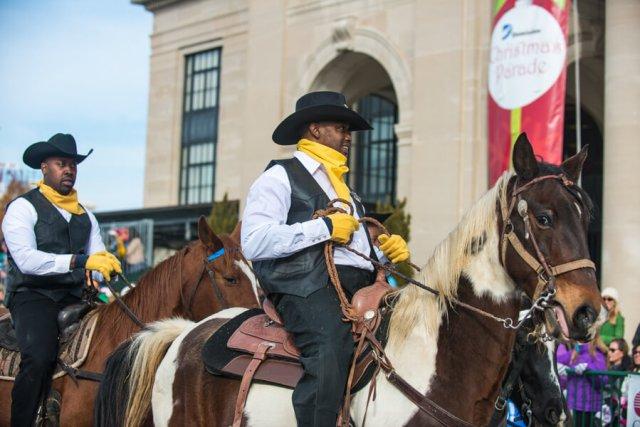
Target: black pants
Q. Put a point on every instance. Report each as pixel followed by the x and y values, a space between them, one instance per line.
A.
pixel 35 321
pixel 325 344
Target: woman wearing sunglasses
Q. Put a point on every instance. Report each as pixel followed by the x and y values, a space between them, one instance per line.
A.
pixel 614 326
pixel 618 356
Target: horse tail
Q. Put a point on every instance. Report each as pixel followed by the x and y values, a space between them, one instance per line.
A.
pixel 148 348
pixel 110 403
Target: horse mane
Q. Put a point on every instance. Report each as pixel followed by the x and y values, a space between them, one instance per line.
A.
pixel 154 288
pixel 444 268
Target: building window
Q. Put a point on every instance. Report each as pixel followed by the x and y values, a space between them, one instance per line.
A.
pixel 373 162
pixel 200 127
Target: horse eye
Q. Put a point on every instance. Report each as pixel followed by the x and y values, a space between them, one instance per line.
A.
pixel 231 280
pixel 544 220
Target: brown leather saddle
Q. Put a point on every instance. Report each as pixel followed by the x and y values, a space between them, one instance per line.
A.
pixel 259 348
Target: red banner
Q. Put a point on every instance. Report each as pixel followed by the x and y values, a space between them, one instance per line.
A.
pixel 527 79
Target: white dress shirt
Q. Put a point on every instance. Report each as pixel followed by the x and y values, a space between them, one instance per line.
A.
pixel 18 229
pixel 265 233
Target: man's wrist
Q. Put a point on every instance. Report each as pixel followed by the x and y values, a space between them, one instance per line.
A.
pixel 329 224
pixel 78 261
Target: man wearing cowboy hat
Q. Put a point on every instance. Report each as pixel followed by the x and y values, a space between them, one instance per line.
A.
pixel 286 245
pixel 51 239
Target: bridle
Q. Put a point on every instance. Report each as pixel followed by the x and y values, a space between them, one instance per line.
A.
pixel 514 379
pixel 211 271
pixel 186 303
pixel 543 294
pixel 546 286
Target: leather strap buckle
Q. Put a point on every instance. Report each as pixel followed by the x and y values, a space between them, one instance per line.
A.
pixel 543 275
pixel 500 403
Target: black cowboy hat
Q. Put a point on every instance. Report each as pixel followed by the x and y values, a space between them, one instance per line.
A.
pixel 317 107
pixel 59 145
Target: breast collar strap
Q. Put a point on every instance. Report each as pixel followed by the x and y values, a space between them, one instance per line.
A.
pixel 538 263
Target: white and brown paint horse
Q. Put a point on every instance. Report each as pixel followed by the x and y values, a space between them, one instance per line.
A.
pixel 185 284
pixel 455 357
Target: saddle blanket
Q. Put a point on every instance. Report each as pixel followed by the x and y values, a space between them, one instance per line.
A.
pixel 72 352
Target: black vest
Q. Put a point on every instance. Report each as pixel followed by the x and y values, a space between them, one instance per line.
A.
pixel 305 271
pixel 57 236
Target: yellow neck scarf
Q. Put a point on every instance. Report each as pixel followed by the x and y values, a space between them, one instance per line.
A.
pixel 333 161
pixel 69 202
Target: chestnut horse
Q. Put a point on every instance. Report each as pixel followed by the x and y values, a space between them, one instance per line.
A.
pixel 451 355
pixel 186 285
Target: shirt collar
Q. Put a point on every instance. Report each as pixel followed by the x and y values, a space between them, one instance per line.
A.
pixel 309 163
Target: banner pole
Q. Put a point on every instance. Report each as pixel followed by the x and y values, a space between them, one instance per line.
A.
pixel 576 62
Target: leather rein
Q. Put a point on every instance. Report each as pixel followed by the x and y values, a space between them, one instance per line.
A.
pixel 185 302
pixel 76 374
pixel 512 379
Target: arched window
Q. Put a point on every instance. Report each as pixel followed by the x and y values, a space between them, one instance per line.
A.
pixel 374 160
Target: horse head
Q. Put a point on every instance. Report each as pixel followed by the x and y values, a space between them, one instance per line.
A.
pixel 217 274
pixel 539 389
pixel 545 216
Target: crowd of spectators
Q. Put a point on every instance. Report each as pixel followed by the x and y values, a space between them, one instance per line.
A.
pixel 596 397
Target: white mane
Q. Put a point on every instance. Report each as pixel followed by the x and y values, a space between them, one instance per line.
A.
pixel 474 239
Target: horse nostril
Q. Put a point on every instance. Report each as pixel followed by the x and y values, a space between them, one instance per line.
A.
pixel 585 317
pixel 552 416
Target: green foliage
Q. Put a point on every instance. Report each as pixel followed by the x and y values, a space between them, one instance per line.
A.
pixel 399 222
pixel 224 215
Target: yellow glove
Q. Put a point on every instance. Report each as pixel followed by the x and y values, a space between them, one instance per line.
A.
pixel 343 226
pixel 105 263
pixel 394 247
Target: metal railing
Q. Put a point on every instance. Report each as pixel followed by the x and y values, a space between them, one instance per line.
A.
pixel 594 398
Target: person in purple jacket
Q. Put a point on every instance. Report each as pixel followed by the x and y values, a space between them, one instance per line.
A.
pixel 584 393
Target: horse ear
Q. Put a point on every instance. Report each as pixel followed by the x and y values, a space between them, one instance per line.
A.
pixel 572 167
pixel 236 233
pixel 207 236
pixel 524 161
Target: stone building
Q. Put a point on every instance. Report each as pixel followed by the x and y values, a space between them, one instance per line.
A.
pixel 224 73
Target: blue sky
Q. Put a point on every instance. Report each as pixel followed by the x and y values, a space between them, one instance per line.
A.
pixel 79 67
